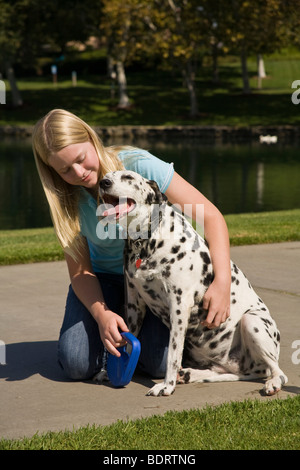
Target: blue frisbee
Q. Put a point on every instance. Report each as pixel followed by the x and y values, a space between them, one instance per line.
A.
pixel 120 369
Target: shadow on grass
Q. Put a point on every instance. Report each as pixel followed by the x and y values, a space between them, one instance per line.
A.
pixel 157 99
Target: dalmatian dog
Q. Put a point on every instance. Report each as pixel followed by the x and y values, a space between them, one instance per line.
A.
pixel 168 268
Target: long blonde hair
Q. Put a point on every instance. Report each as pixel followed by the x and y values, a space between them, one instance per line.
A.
pixel 56 130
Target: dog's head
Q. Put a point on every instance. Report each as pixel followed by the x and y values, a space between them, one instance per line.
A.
pixel 127 195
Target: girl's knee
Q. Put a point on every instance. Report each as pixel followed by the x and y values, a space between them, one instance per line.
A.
pixel 76 366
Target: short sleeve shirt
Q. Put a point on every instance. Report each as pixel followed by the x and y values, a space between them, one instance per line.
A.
pixel 107 253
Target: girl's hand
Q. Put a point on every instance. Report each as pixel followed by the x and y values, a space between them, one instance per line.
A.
pixel 109 327
pixel 217 301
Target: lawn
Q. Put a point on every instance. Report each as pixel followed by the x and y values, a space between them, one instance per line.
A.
pixel 33 245
pixel 247 425
pixel 160 98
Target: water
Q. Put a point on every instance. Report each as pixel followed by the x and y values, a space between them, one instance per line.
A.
pixel 236 178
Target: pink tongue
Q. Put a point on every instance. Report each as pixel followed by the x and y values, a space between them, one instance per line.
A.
pixel 118 210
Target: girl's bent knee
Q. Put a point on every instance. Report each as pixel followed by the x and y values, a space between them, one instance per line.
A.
pixel 74 366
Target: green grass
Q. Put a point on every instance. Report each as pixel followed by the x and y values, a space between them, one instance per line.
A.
pixel 264 227
pixel 29 246
pixel 247 425
pixel 160 98
pixel 33 245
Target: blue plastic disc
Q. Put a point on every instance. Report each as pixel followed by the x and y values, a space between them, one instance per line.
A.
pixel 121 369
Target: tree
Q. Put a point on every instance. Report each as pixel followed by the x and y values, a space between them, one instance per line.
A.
pixel 26 25
pixel 254 27
pixel 125 26
pixel 180 39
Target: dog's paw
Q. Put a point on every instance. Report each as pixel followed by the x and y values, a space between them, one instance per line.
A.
pixel 274 384
pixel 161 390
pixel 101 377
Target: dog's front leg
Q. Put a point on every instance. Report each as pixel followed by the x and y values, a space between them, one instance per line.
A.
pixel 135 309
pixel 178 326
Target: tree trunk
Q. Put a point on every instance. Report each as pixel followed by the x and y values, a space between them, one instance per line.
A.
pixel 122 83
pixel 190 83
pixel 16 95
pixel 246 86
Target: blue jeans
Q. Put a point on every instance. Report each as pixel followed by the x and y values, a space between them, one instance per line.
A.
pixel 80 349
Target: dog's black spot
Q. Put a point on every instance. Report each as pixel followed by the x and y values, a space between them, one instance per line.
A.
pixel 152 264
pixel 256 330
pixel 163 260
pixel 181 255
pixel 160 244
pixel 167 272
pixel 153 294
pixel 208 279
pixel 213 344
pixel 191 267
pixel 132 306
pixel 266 321
pixel 205 257
pixel 226 336
pixel 278 336
pixel 152 244
pixel 175 249
pixel 204 269
pixel 150 198
pixel 235 268
pixel 178 312
pixel 182 240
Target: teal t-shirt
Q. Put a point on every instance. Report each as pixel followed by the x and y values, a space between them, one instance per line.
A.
pixel 107 253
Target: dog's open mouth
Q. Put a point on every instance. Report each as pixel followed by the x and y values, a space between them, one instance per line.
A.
pixel 116 207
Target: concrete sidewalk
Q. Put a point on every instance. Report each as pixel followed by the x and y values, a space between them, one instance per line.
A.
pixel 35 396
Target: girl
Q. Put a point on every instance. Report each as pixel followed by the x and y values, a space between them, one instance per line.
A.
pixel 71 160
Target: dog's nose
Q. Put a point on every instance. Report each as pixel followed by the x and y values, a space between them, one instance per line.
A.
pixel 105 183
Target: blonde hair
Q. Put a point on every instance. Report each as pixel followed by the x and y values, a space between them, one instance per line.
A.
pixel 56 130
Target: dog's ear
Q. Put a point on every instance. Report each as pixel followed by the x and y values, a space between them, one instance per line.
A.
pixel 159 197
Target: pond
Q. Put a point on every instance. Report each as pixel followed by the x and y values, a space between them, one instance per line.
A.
pixel 236 178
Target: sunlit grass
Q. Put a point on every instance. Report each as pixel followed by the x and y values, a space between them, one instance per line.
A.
pixel 248 425
pixel 33 245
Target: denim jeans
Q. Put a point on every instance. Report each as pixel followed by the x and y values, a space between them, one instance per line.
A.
pixel 80 349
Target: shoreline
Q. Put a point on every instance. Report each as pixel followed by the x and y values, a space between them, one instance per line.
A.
pixel 210 134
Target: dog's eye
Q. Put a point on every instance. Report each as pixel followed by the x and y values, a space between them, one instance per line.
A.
pixel 126 177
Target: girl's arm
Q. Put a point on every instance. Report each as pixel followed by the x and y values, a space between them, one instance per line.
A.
pixel 217 297
pixel 87 288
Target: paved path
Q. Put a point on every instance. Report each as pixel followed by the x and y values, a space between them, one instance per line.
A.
pixel 35 396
